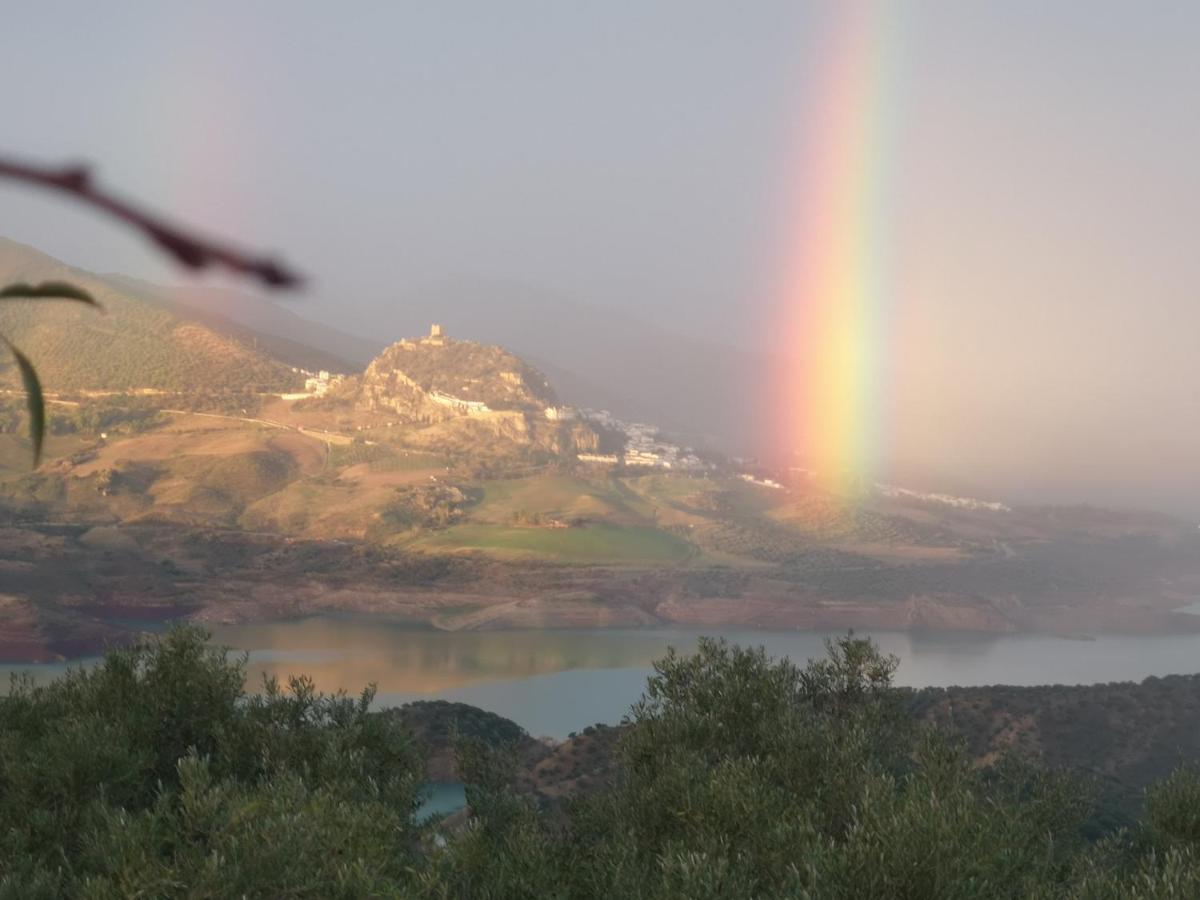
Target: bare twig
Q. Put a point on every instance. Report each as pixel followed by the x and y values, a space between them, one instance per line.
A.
pixel 190 251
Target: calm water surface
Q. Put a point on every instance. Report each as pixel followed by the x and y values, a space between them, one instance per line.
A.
pixel 555 682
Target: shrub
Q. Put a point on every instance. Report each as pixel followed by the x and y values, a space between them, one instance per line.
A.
pixel 154 771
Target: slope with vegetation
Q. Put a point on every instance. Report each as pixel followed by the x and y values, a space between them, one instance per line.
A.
pixel 1124 736
pixel 443 448
pixel 141 340
pixel 155 774
pixel 576 546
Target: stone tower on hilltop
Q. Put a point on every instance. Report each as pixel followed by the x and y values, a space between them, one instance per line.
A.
pixel 436 335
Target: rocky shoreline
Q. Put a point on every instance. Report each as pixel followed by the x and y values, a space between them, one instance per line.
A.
pixel 70 591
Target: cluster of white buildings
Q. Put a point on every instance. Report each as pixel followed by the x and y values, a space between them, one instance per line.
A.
pixel 316 384
pixel 458 404
pixel 761 482
pixel 600 459
pixel 643 446
pixel 899 493
pixel 321 383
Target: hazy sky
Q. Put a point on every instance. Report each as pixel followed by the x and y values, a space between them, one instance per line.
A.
pixel 1044 161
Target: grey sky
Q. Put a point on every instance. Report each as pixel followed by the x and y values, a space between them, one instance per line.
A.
pixel 636 155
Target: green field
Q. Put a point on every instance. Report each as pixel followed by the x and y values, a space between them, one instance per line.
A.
pixel 563 497
pixel 593 543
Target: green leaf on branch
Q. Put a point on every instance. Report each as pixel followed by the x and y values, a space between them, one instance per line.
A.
pixel 34 399
pixel 47 290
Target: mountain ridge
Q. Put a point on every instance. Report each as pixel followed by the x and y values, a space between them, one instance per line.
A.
pixel 140 339
pixel 687 386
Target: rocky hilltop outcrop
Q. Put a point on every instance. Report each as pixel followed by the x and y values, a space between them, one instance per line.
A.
pixel 474 391
pixel 435 378
pixel 469 392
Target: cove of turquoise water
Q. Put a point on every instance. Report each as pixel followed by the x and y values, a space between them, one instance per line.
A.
pixel 440 798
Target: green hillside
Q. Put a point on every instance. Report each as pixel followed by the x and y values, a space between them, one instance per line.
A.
pixel 600 542
pixel 560 497
pixel 133 343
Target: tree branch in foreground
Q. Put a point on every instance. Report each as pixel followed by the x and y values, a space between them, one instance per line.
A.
pixel 191 252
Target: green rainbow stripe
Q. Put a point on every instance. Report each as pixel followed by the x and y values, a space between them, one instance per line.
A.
pixel 836 294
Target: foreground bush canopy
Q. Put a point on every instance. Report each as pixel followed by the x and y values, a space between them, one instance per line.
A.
pixel 154 774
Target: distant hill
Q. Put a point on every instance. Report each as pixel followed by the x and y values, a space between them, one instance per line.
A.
pixel 602 358
pixel 470 400
pixel 596 358
pixel 1122 737
pixel 408 374
pixel 278 326
pixel 143 339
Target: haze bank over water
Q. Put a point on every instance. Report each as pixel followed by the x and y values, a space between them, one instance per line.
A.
pixel 553 682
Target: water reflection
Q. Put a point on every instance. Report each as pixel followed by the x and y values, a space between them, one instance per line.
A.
pixel 554 682
pixel 347 653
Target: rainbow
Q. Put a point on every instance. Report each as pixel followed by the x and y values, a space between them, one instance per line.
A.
pixel 835 289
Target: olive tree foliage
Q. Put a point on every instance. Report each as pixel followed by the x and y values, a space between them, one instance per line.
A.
pixel 748 777
pixel 1158 859
pixel 155 774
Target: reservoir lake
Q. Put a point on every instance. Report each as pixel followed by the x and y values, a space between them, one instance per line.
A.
pixel 555 682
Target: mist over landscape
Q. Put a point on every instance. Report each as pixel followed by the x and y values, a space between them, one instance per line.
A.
pixel 632 450
pixel 625 223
